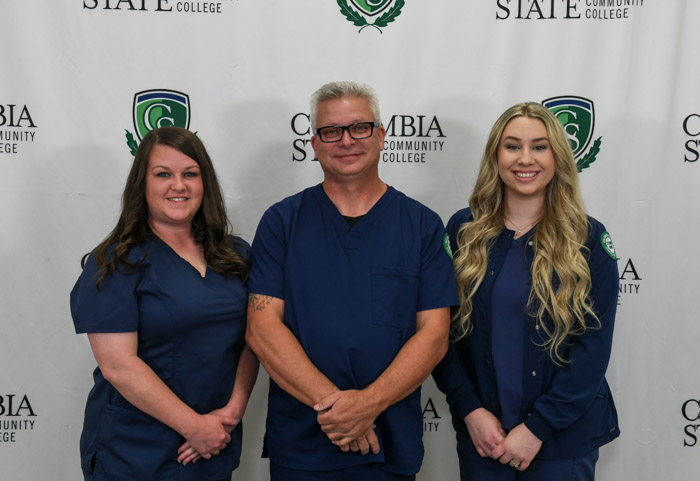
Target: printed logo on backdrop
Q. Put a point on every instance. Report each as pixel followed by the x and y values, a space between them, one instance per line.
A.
pixel 566 9
pixel 691 417
pixel 691 128
pixel 410 139
pixel 431 417
pixel 16 417
pixel 371 13
pixel 630 281
pixel 160 6
pixel 16 127
pixel 157 108
pixel 577 116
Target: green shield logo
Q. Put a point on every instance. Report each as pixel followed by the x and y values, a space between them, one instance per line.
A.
pixel 577 117
pixel 361 9
pixel 160 108
pixel 371 7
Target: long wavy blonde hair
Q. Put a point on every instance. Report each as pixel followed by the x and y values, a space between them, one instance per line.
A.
pixel 561 280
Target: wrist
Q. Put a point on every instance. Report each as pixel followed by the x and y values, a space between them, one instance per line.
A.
pixel 187 424
pixel 375 400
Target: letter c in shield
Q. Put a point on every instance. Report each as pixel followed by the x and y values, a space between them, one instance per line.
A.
pixel 160 108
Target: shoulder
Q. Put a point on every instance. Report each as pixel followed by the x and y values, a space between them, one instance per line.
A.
pixel 284 211
pixel 458 219
pixel 136 255
pixel 462 216
pixel 293 202
pixel 240 246
pixel 599 243
pixel 411 205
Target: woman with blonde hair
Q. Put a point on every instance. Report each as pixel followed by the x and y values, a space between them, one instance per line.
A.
pixel 538 283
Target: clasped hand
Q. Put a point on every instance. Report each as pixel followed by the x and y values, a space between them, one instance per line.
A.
pixel 210 435
pixel 517 448
pixel 347 418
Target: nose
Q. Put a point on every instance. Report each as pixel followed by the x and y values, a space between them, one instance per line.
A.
pixel 178 183
pixel 526 157
pixel 346 139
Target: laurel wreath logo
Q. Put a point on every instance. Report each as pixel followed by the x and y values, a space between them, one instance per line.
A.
pixel 131 142
pixel 586 161
pixel 360 21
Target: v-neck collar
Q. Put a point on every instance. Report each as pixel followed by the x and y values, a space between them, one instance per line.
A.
pixel 181 259
pixel 350 235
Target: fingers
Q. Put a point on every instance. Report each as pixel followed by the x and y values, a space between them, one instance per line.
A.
pixel 327 403
pixel 373 440
pixel 354 447
pixel 362 445
pixel 187 456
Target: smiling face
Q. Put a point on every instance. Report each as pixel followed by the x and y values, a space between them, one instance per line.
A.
pixel 174 188
pixel 526 163
pixel 348 158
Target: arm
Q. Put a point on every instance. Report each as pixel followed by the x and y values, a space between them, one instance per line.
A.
pixel 281 354
pixel 246 375
pixel 345 415
pixel 574 386
pixel 452 378
pixel 288 365
pixel 116 354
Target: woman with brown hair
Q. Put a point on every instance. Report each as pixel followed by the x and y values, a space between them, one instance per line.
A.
pixel 163 300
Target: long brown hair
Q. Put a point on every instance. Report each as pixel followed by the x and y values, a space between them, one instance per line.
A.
pixel 210 226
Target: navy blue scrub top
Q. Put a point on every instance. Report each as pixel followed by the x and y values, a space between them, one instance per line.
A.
pixel 509 296
pixel 351 296
pixel 190 332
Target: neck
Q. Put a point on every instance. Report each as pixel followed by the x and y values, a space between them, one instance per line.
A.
pixel 523 211
pixel 172 235
pixel 354 199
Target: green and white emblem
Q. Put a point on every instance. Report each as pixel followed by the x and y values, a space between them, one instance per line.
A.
pixel 357 11
pixel 607 243
pixel 577 116
pixel 158 108
pixel 446 246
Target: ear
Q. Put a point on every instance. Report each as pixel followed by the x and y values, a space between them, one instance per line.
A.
pixel 314 144
pixel 381 133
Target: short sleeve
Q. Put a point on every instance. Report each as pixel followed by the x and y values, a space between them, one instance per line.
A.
pixel 268 255
pixel 437 284
pixel 111 308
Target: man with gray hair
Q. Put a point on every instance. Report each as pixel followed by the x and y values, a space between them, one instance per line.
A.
pixel 348 311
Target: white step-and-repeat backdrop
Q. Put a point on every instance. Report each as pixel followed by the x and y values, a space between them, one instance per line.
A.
pixel 75 76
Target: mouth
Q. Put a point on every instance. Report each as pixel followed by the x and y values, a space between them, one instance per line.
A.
pixel 525 175
pixel 177 199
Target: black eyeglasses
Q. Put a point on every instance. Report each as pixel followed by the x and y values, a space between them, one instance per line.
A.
pixel 358 131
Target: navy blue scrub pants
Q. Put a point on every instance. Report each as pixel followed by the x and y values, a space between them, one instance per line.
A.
pixel 363 472
pixel 473 467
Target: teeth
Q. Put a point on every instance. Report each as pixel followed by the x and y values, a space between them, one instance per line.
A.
pixel 178 199
pixel 525 175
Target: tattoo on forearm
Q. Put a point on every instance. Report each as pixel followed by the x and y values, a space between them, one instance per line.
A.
pixel 258 302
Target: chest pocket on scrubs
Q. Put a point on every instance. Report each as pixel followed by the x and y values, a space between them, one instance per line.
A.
pixel 394 296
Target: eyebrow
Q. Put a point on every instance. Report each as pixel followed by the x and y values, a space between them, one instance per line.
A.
pixel 540 139
pixel 168 168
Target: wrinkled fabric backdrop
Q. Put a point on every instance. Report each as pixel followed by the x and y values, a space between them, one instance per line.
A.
pixel 82 80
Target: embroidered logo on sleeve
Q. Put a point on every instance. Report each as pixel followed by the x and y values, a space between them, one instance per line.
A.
pixel 446 245
pixel 607 243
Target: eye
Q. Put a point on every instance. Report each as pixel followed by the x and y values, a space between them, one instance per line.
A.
pixel 191 174
pixel 512 147
pixel 163 174
pixel 540 147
